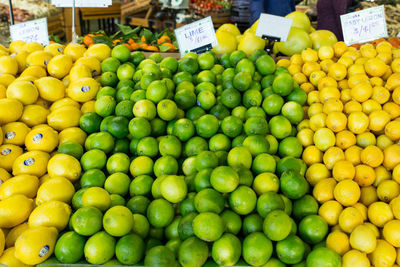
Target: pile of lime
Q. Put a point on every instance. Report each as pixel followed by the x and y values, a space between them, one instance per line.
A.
pixel 194 162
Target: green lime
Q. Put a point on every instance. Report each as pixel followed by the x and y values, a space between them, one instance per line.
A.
pixel 245 176
pixel 147 146
pixel 280 127
pixel 243 200
pixel 169 63
pixel 117 183
pixel 139 127
pixel 117 200
pixel 137 57
pixel 71 148
pixel 69 247
pixel 222 157
pixel 157 57
pixel 167 109
pixel 156 91
pixel 277 225
pixel 146 79
pixel 105 106
pixel 195 145
pixel 232 221
pixel 206 61
pixel 273 144
pixel 255 112
pixel 93 177
pixel 160 213
pixel 87 221
pixel 209 200
pixel 138 204
pixel 102 141
pixel 124 108
pixel 141 185
pixel 252 223
pixel 124 93
pixel 290 250
pixel 206 100
pixel 232 126
pixel 208 226
pixel 103 125
pixel 256 144
pixel 269 202
pixel 291 163
pixel 118 127
pixel 193 252
pixel 262 163
pixel 145 109
pixel 242 81
pixel 90 122
pixel 141 225
pixel 293 111
pixel 256 126
pixel 99 248
pixel 290 146
pixel 173 188
pixel 160 256
pixel 141 165
pixel 171 231
pixel 187 205
pixel 219 142
pixel 283 84
pixel 77 199
pixel 224 179
pixel 118 221
pixel 267 92
pixel 252 98
pixel 185 98
pixel 107 90
pixel 121 52
pixel 182 76
pixel 206 76
pixel 239 112
pixel 125 83
pixel 236 56
pixel 185 85
pixel 129 249
pixel 230 98
pixel 257 249
pixel 108 79
pixel 245 65
pixel 188 64
pixel 110 64
pixel 272 104
pixel 185 227
pixel 217 69
pixel 158 127
pixel 239 157
pixel 298 95
pixel 206 159
pixel 226 251
pixel 323 257
pixel 165 165
pixel 265 65
pixel 93 159
pixel 170 145
pixel 313 229
pixel 96 197
pixel 306 205
pixel 274 262
pixel 145 61
pixel 288 209
pixel 125 71
pixel 281 69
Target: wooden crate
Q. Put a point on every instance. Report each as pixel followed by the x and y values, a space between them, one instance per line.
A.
pixel 67 14
pixel 113 11
pixel 55 25
pixel 142 10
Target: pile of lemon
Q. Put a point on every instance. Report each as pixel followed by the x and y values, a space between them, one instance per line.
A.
pixel 351 145
pixel 43 92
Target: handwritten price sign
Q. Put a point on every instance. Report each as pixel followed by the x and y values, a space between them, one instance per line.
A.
pixel 82 3
pixel 31 31
pixel 364 26
pixel 195 36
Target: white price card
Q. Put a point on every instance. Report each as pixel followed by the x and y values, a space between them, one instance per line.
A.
pixel 276 27
pixel 31 31
pixel 82 3
pixel 198 36
pixel 364 25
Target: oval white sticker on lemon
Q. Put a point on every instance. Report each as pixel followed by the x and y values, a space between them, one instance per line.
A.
pixel 8 154
pixel 43 139
pixel 32 162
pixel 83 90
pixel 15 132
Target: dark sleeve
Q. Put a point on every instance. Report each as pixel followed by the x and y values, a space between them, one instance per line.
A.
pixel 340 6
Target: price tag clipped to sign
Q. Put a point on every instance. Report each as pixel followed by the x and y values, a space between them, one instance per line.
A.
pixel 364 25
pixel 271 27
pixel 82 3
pixel 31 31
pixel 197 37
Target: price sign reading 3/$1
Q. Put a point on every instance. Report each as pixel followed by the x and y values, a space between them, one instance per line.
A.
pixel 31 31
pixel 197 37
pixel 364 25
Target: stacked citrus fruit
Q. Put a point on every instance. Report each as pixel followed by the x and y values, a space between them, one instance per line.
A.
pixel 351 146
pixel 42 94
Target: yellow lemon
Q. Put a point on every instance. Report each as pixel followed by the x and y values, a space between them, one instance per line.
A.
pixel 324 138
pixel 375 67
pixel 59 66
pixel 352 154
pixel 35 71
pixel 366 139
pixel 56 188
pixel 355 258
pixel 32 162
pixel 372 156
pixel 347 192
pixel 311 155
pixel 363 239
pixel 361 92
pixel 10 110
pixel 309 67
pixel 23 91
pixel 378 120
pixel 316 172
pixel 92 63
pixel 392 130
pixel 51 214
pixel 15 210
pixel 328 93
pixel 21 184
pixel 17 46
pixel 15 132
pixel 388 190
pixel 26 78
pixel 327 82
pixel 14 233
pixel 8 65
pixel 382 174
pixel 323 190
pixel 333 155
pixel 79 71
pixel 316 76
pixel 332 105
pixel 83 90
pixel 32 47
pixel 318 121
pixel 39 58
pixel 379 213
pixel 349 219
pixel 3 91
pixel 64 165
pixel 99 51
pixel 21 60
pixel 96 197
pixel 345 139
pixel 396 65
pixel 74 50
pixel 396 173
pixel 64 117
pixel 8 154
pixel 391 232
pixel 355 69
pixel 391 156
pixel 4 175
pixel 343 169
pixel 395 206
pixel 88 107
pixel 34 115
pixel 337 71
pixel 346 61
pixel 43 139
pixel 384 254
pixel 352 106
pixel 357 122
pixel 54 49
pixel 368 195
pixel 336 121
pixel 338 242
pixel 305 136
pixel 309 55
pixel 44 179
pixel 36 244
pixel 64 102
pixel 8 259
pixel 50 89
pixel 73 134
pixel 330 212
pixel 365 175
pixel 325 52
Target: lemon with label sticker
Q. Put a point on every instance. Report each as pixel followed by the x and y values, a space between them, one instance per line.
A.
pixel 59 66
pixel 32 162
pixel 43 139
pixel 36 244
pixel 92 63
pixel 83 90
pixel 64 117
pixel 54 49
pixel 8 154
pixel 15 132
pixel 39 58
pixel 64 165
